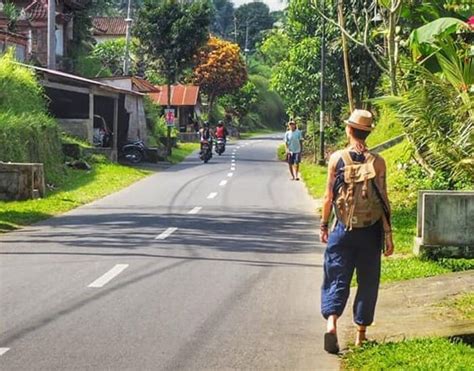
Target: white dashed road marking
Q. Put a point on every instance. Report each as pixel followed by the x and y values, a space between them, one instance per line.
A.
pixel 107 277
pixel 195 210
pixel 223 183
pixel 212 195
pixel 230 174
pixel 3 351
pixel 166 233
pixel 233 160
pixel 232 168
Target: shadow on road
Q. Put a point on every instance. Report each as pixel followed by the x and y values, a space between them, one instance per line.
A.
pixel 246 231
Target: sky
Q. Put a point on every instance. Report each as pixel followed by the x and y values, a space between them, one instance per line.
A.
pixel 273 4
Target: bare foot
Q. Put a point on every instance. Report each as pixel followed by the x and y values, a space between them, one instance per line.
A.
pixel 360 337
pixel 331 324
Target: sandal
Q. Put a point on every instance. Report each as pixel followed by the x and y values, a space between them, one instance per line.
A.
pixel 330 343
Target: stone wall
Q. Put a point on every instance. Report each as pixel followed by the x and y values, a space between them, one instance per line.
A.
pixel 80 128
pixel 445 224
pixel 21 181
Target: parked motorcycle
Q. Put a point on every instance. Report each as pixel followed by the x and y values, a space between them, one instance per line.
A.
pixel 134 152
pixel 220 146
pixel 206 152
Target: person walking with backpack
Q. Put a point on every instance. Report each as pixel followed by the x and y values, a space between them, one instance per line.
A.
pixel 357 191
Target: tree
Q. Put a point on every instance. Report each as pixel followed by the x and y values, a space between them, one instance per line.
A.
pixel 170 33
pixel 223 19
pixel 252 19
pixel 297 78
pixel 240 102
pixel 111 54
pixel 275 47
pixel 220 69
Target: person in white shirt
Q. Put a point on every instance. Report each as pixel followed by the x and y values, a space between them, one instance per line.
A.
pixel 294 147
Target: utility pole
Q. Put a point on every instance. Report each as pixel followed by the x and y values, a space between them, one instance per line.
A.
pixel 246 49
pixel 345 54
pixel 126 61
pixel 52 34
pixel 235 29
pixel 321 90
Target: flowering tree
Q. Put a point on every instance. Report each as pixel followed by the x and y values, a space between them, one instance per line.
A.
pixel 220 69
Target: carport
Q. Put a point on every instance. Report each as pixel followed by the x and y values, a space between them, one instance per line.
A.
pixel 75 101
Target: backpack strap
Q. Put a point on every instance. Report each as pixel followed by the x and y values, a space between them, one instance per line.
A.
pixel 346 157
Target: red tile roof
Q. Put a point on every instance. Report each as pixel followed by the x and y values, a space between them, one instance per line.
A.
pixel 37 10
pixel 111 26
pixel 181 95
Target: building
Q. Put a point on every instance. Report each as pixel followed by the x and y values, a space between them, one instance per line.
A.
pixel 16 41
pixel 186 101
pixel 83 106
pixel 134 104
pixel 108 28
pixel 33 25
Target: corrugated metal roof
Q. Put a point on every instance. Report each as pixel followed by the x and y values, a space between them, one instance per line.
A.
pixel 138 84
pixel 144 86
pixel 181 95
pixel 111 26
pixel 82 80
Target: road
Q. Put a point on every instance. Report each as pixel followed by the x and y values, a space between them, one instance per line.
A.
pixel 200 266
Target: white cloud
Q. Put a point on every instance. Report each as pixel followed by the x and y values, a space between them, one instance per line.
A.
pixel 272 4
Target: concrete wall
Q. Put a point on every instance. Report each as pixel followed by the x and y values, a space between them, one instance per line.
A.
pixel 445 223
pixel 20 181
pixel 82 128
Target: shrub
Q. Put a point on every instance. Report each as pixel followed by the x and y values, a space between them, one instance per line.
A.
pixel 27 133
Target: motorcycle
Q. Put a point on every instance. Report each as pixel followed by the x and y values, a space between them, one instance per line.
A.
pixel 220 146
pixel 134 152
pixel 206 152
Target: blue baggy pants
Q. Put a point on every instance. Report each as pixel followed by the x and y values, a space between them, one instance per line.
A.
pixel 359 249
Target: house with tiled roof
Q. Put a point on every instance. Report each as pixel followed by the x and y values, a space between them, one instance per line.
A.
pixel 33 25
pixel 108 28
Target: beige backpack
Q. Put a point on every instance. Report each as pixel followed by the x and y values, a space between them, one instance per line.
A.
pixel 358 203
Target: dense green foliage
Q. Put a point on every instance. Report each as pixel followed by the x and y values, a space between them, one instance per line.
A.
pixel 155 122
pixel 171 32
pixel 418 354
pixel 27 133
pixel 251 19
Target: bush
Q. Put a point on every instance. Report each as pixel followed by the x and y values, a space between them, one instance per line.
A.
pixel 155 122
pixel 27 133
pixel 269 105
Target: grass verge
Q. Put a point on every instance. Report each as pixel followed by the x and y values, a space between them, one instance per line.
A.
pixel 251 134
pixel 183 150
pixel 417 354
pixel 460 306
pixel 77 188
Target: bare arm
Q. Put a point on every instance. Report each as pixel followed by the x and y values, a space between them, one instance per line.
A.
pixel 381 181
pixel 328 196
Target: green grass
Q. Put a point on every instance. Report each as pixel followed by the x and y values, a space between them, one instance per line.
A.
pixel 251 134
pixel 183 150
pixel 77 188
pixel 314 177
pixel 387 127
pixel 460 306
pixel 418 354
pixel 401 268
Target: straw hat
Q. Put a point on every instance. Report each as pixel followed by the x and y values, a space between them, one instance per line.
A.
pixel 360 119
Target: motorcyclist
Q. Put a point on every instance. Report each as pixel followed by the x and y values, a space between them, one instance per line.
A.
pixel 221 131
pixel 206 135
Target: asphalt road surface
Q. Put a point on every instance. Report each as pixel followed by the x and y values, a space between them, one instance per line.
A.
pixel 200 266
